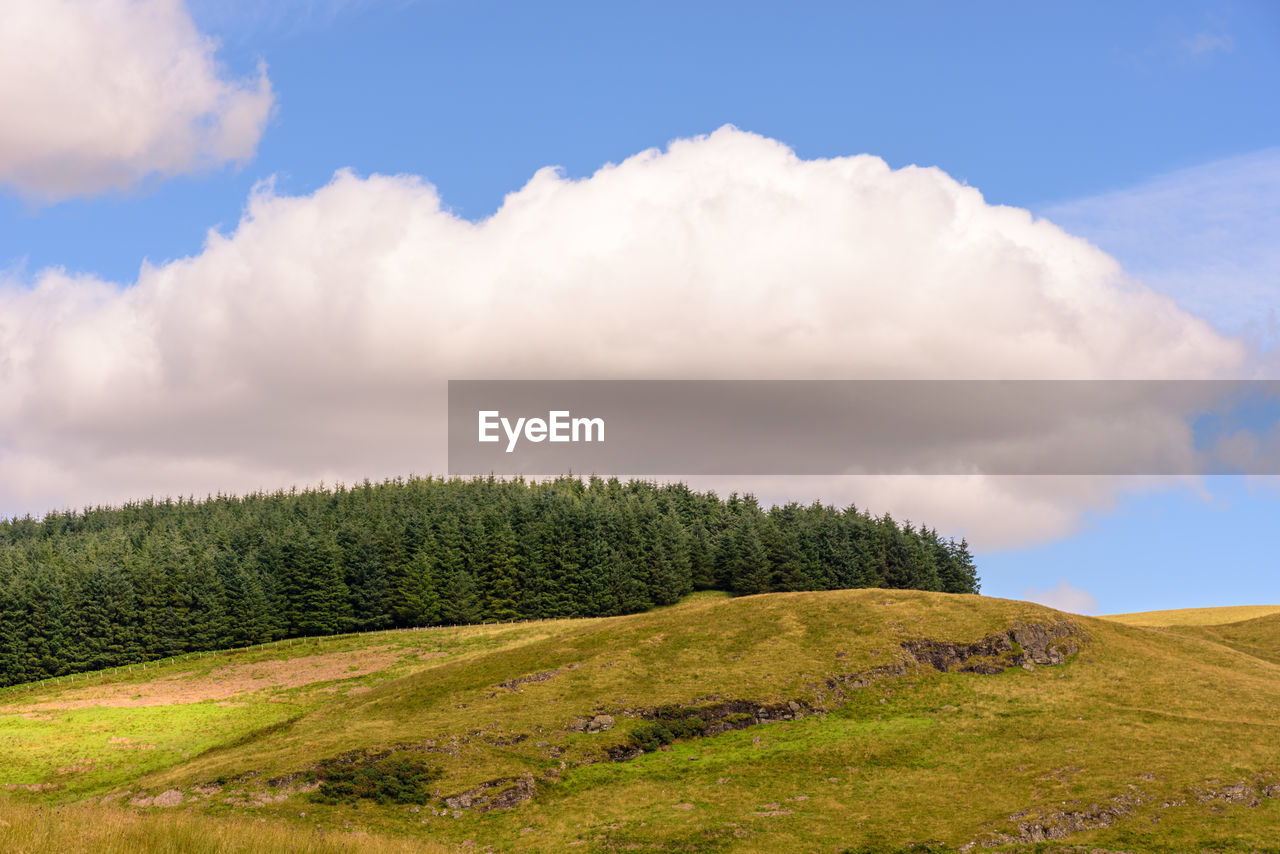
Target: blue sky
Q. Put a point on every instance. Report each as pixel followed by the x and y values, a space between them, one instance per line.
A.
pixel 1146 127
pixel 1190 548
pixel 1033 103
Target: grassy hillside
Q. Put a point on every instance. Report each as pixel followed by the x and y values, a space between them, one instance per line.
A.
pixel 1196 616
pixel 804 721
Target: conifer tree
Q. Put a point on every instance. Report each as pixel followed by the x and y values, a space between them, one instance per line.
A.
pixel 669 579
pixel 502 569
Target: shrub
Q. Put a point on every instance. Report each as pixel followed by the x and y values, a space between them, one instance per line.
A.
pixel 650 736
pixel 396 779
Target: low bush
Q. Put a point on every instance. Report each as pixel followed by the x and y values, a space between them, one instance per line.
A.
pixel 654 734
pixel 395 779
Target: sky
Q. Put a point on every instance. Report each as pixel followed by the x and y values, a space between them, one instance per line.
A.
pixel 243 245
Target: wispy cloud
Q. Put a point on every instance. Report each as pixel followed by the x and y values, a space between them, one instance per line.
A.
pixel 1208 236
pixel 1206 43
pixel 1064 597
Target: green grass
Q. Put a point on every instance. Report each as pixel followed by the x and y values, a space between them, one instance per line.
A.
pixel 92 735
pixel 83 751
pixel 1164 719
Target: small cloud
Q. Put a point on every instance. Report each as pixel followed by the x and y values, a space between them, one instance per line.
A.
pixel 99 96
pixel 1205 43
pixel 1064 597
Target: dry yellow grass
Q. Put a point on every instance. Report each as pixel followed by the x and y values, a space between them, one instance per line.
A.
pixel 1195 616
pixel 91 829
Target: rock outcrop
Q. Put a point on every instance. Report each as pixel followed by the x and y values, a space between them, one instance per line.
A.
pixel 1023 645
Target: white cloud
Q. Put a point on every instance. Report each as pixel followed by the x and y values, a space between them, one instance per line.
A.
pixel 1064 597
pixel 314 341
pixel 1208 236
pixel 993 512
pixel 96 95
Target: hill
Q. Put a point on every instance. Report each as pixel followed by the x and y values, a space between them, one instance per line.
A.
pixel 1195 616
pixel 860 720
pixel 80 591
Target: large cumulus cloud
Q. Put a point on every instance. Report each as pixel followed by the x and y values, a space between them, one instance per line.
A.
pixel 98 94
pixel 313 342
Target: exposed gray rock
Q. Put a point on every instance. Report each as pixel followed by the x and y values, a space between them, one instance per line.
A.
pixel 1238 793
pixel 1023 645
pixel 1060 824
pixel 600 723
pixel 498 794
pixel 532 678
pixel 167 798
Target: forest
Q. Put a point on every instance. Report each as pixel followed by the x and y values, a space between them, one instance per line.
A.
pixel 84 590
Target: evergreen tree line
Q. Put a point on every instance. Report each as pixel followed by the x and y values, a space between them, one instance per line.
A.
pixel 108 586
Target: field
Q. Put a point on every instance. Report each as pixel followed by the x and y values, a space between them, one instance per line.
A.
pixel 861 721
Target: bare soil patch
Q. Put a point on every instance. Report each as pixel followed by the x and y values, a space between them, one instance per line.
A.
pixel 225 682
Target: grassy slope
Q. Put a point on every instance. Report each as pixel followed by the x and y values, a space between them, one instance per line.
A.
pixel 1195 616
pixel 1259 637
pixel 1155 717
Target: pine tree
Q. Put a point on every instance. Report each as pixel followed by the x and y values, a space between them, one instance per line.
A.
pixel 748 566
pixel 702 559
pixel 669 578
pixel 502 569
pixel 316 597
